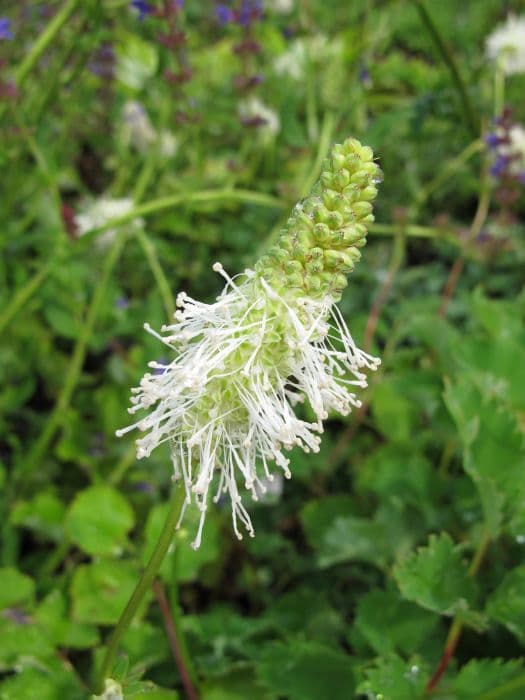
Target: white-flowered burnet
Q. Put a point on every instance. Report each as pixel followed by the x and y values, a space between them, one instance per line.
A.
pixel 274 337
pixel 506 45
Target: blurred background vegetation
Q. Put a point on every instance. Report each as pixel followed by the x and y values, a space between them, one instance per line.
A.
pixel 141 142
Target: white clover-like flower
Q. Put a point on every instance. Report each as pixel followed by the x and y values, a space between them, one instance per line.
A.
pixel 506 45
pixel 98 212
pixel 252 108
pixel 281 7
pixel 272 339
pixel 137 127
pixel 139 132
pixel 301 52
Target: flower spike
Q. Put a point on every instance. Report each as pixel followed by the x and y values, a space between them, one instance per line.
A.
pixel 273 338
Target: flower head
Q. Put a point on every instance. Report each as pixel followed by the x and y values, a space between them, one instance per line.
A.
pixel 255 113
pixel 99 212
pixel 5 28
pixel 272 339
pixel 142 7
pixel 507 144
pixel 506 45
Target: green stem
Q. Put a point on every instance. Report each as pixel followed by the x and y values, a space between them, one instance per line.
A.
pixel 325 139
pixel 24 294
pixel 450 169
pixel 143 585
pixel 158 273
pixel 186 198
pixel 77 361
pixel 413 231
pixel 448 58
pixel 44 40
pixel 499 91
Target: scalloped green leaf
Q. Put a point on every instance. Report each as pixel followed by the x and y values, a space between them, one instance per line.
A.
pixel 506 604
pixel 99 519
pixel 436 578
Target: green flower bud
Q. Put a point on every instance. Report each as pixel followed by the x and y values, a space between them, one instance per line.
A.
pixel 323 235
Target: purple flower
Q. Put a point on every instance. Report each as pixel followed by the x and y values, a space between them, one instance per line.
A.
pixel 122 303
pixel 250 11
pixel 5 28
pixel 224 14
pixel 492 140
pixel 499 166
pixel 142 8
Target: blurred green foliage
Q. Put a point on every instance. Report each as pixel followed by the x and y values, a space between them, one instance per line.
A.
pixel 412 517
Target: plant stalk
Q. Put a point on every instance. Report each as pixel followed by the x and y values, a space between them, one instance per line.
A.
pixel 143 586
pixel 450 61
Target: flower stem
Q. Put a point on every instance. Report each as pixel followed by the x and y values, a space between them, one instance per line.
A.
pixel 149 250
pixel 175 641
pixel 143 585
pixel 77 361
pixel 448 58
pixel 44 40
pixel 186 198
pixel 25 293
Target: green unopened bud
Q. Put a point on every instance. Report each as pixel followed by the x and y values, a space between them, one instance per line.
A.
pixel 292 267
pixel 369 193
pixel 335 220
pixel 324 232
pixel 361 209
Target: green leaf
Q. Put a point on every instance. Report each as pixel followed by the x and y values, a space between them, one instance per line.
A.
pixel 493 450
pixel 306 612
pixel 339 536
pixel 44 514
pixel 56 683
pixel 98 520
pixel 480 676
pixel 390 624
pixel 52 616
pixel 436 578
pixel 137 61
pixel 22 640
pixel 306 671
pixel 394 413
pixel 507 603
pixel 393 678
pixel 238 684
pixel 15 588
pixel 101 590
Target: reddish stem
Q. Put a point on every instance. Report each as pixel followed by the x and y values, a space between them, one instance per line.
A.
pixel 171 633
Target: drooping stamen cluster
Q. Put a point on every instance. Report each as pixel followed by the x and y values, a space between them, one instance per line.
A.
pixel 272 339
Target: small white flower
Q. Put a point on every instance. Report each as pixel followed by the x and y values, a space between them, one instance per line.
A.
pixel 168 144
pixel 139 132
pixel 281 7
pixel 112 691
pixel 318 50
pixel 225 403
pixel 517 147
pixel 506 45
pixel 98 212
pixel 254 108
pixel 138 129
